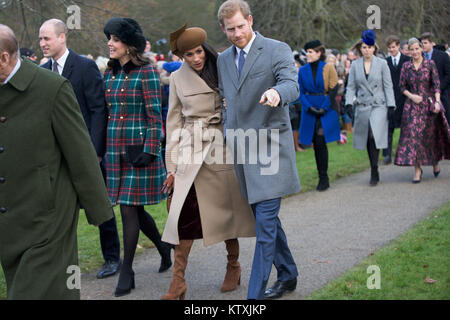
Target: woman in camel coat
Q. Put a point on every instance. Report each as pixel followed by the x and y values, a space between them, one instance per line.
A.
pixel 206 201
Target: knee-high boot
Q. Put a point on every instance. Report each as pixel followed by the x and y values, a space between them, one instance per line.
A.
pixel 373 153
pixel 321 155
pixel 177 288
pixel 233 275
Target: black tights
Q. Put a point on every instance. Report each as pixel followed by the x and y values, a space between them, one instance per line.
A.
pixel 372 150
pixel 320 153
pixel 135 218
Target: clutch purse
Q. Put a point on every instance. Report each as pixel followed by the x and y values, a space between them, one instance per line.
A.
pixel 133 151
pixel 432 102
pixel 169 202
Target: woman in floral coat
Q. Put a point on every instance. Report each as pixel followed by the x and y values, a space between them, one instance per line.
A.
pixel 425 134
pixel 135 168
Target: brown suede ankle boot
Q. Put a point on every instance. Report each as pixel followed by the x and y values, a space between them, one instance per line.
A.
pixel 177 288
pixel 233 275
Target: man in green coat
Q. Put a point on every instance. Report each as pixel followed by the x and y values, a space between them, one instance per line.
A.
pixel 47 165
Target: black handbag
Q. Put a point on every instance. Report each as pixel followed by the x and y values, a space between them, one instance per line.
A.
pixel 133 151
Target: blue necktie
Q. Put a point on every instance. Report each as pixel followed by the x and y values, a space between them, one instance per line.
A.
pixel 241 61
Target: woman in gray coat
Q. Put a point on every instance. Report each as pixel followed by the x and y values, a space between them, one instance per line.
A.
pixel 370 91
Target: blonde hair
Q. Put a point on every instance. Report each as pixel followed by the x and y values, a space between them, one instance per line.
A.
pixel 102 63
pixel 229 8
pixel 330 57
pixel 414 40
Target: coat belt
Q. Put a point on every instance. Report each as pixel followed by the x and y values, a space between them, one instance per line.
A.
pixel 315 94
pixel 214 119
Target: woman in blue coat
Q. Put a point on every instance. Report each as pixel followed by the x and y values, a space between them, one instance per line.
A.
pixel 320 122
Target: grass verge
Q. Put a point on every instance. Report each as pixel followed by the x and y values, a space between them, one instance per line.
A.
pixel 415 266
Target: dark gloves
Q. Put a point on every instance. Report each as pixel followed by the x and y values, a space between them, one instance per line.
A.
pixel 144 159
pixel 391 111
pixel 317 111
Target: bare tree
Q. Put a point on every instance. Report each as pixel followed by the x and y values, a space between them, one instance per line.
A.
pixel 337 23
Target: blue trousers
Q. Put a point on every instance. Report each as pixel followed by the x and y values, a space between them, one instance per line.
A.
pixel 271 248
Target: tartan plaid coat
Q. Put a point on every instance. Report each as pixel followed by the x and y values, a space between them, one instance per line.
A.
pixel 133 98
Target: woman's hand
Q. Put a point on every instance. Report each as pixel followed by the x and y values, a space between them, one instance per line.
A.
pixel 143 160
pixel 416 98
pixel 437 107
pixel 168 184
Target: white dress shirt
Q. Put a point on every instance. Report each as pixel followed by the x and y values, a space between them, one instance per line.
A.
pixel 246 50
pixel 13 72
pixel 61 61
pixel 396 59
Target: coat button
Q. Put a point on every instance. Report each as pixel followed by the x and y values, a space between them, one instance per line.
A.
pixel 3 210
pixel 122 104
pixel 122 90
pixel 2 149
pixel 110 104
pixel 121 118
pixel 2 180
pixel 2 119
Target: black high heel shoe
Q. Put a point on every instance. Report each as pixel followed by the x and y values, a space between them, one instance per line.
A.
pixel 420 180
pixel 166 261
pixel 126 282
pixel 374 177
pixel 436 173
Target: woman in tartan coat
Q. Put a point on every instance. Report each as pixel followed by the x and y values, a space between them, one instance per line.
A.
pixel 135 169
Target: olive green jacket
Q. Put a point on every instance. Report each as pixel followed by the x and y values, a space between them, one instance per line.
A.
pixel 47 165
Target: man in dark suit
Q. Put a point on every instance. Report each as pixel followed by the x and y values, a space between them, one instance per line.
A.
pixel 442 61
pixel 395 63
pixel 87 83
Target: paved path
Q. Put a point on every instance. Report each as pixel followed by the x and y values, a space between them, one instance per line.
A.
pixel 328 233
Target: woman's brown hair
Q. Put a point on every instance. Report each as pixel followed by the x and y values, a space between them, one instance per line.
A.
pixel 321 49
pixel 136 57
pixel 209 71
pixel 358 46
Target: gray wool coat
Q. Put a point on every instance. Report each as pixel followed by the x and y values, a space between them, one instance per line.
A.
pixel 269 64
pixel 371 97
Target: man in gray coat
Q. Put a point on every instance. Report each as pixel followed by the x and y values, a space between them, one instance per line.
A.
pixel 258 78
